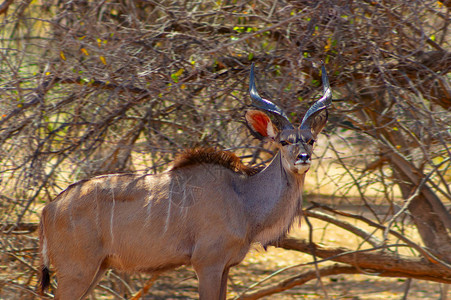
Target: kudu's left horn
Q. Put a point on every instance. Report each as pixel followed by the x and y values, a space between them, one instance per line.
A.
pixel 321 104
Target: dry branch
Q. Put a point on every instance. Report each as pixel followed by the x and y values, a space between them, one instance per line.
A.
pixel 380 261
pixel 425 253
pixel 369 237
pixel 5 5
pixel 21 228
pixel 411 172
pixel 299 279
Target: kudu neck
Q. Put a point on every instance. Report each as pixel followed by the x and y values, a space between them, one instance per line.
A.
pixel 273 200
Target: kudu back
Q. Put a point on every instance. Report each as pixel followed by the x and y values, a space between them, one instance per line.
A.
pixel 205 211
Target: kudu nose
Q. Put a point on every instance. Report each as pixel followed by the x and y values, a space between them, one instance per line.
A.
pixel 303 158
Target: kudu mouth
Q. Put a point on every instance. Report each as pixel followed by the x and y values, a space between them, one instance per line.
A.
pixel 301 166
pixel 303 162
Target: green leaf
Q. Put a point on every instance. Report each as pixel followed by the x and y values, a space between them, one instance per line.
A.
pixel 326 61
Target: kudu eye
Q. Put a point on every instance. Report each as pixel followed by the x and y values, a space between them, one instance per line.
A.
pixel 311 142
pixel 284 143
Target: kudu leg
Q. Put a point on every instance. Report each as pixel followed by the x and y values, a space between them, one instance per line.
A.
pixel 75 279
pixel 224 279
pixel 210 282
pixel 102 269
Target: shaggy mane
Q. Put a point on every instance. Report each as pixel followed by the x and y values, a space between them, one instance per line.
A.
pixel 197 156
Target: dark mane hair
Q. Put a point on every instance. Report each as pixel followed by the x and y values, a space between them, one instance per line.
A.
pixel 197 156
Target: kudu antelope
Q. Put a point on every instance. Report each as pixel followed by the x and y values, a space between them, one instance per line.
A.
pixel 205 211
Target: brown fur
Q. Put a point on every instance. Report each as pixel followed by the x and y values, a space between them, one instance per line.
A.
pixel 197 156
pixel 105 186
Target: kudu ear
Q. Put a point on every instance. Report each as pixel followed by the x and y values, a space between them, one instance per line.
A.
pixel 260 124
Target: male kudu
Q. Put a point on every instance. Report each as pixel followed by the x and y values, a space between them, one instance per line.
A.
pixel 206 210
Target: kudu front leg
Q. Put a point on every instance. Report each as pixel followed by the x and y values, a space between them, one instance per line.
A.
pixel 224 279
pixel 211 282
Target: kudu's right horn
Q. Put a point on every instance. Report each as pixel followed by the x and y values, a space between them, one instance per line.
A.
pixel 267 105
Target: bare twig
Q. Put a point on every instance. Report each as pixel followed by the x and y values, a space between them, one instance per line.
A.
pixel 146 287
pixel 5 5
